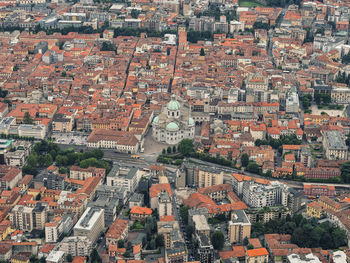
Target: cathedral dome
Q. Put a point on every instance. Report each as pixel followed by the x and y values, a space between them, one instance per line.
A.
pixel 172 126
pixel 155 120
pixel 173 104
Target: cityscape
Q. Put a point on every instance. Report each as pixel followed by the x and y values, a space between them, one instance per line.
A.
pixel 174 131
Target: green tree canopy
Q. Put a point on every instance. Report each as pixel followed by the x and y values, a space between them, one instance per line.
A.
pixel 218 240
pixel 186 147
pixel 245 159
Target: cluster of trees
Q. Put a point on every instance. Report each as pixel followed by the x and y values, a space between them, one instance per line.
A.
pixel 3 93
pixel 46 153
pixel 195 36
pixel 346 59
pixel 305 232
pixel 309 36
pixel 322 99
pixel 27 119
pixel 306 102
pixel 152 240
pixel 184 214
pixel 342 77
pixel 174 155
pixel 261 25
pixel 277 144
pixel 107 46
pixel 218 240
pixel 345 170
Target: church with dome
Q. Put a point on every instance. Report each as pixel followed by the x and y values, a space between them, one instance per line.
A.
pixel 174 123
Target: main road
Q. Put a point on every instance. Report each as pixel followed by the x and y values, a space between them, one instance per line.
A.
pixel 125 159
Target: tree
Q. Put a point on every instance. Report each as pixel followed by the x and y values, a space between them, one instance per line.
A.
pixel 218 240
pixel 163 151
pixel 94 256
pixel 27 118
pixel 69 258
pixel 169 150
pixel 345 172
pixel 159 241
pixel 253 167
pixel 134 13
pixel 250 246
pixel 107 46
pixel 245 160
pixel 174 149
pixel 120 243
pixel 186 147
pixel 245 241
pixel 202 53
pixel 189 231
pixel 184 214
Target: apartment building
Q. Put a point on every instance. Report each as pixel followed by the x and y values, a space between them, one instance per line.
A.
pixel 205 249
pixel 202 176
pixel 239 227
pixel 257 195
pixel 76 246
pixel 21 218
pixel 58 226
pixel 117 231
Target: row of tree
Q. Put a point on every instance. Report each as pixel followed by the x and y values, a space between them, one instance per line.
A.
pixel 46 153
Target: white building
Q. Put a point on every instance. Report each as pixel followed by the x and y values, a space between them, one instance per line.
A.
pixel 55 257
pixel 174 123
pixel 292 102
pixel 90 224
pixel 309 258
pixel 257 195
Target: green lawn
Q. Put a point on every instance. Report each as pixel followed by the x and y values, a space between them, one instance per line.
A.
pixel 249 3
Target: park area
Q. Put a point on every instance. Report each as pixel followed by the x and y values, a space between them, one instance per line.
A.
pixel 249 3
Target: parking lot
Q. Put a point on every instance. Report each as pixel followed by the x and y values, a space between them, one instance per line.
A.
pixel 69 138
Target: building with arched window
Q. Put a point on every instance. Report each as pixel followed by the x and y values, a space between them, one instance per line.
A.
pixel 174 123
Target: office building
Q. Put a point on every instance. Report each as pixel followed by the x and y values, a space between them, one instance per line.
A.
pixel 335 146
pixel 90 224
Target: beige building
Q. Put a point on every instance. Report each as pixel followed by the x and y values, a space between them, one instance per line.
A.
pixel 39 216
pixel 335 146
pixel 62 122
pixel 340 95
pixel 90 224
pixel 208 178
pixel 239 227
